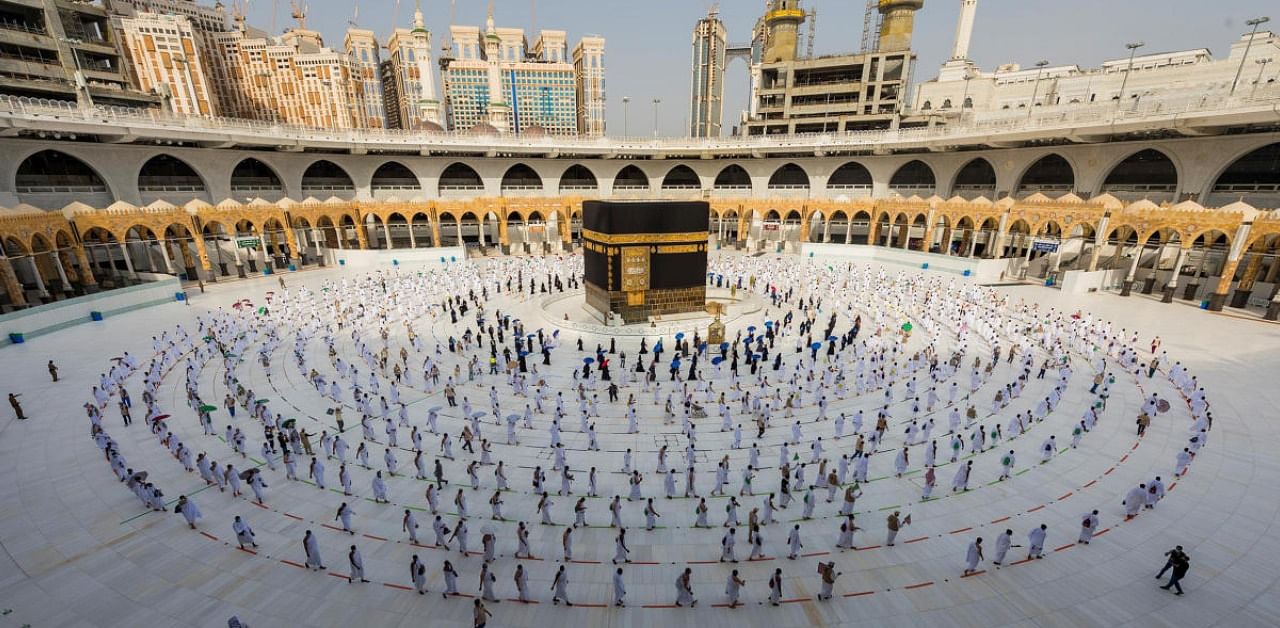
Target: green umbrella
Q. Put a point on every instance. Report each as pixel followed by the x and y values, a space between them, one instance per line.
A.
pixel 263 400
pixel 289 423
pixel 208 338
pixel 906 327
pixel 208 408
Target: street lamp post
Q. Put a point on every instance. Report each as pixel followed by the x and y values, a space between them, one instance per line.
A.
pixel 626 102
pixel 1035 91
pixel 1262 66
pixel 656 102
pixel 1133 49
pixel 1255 23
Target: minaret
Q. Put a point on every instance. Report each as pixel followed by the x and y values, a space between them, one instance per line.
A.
pixel 964 29
pixel 499 109
pixel 430 105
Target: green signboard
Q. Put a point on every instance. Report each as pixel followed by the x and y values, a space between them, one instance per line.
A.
pixel 248 243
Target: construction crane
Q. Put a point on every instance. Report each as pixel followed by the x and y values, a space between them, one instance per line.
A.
pixel 871 27
pixel 813 31
pixel 446 42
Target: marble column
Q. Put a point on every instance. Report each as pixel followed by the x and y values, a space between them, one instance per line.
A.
pixel 1172 286
pixel 10 279
pixel 35 270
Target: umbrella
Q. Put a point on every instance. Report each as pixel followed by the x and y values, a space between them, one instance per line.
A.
pixel 263 400
pixel 513 417
pixel 724 346
pixel 208 408
pixel 679 336
pixel 906 327
pixel 247 473
pixel 289 423
pixel 478 414
pixel 831 338
pixel 435 408
pixel 768 324
pixel 588 360
pixel 751 329
pixel 208 338
pixel 815 346
pixel 1162 406
pixel 524 353
pixel 717 360
pixel 161 417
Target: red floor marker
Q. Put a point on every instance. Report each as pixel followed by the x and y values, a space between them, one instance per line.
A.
pixel 247 550
pixel 920 585
pixel 815 554
pixel 208 535
pixel 585 562
pixel 1019 562
pixel 1067 546
pixel 859 594
pixel 863 549
pixel 1069 494
pixel 976 573
pixel 291 516
pixel 397 586
pixel 960 530
pixel 798 599
pixel 1091 483
pixel 915 540
pixel 1040 507
pixel 1102 532
pixel 292 564
pixel 659 606
pixel 1000 519
pixel 376 538
pixel 1108 471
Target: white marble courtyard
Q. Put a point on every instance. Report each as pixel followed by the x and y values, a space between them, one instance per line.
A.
pixel 81 549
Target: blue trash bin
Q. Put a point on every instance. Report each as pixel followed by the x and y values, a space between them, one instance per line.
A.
pixel 968 273
pixel 1204 305
pixel 342 262
pixel 925 266
pixel 293 268
pixel 95 315
pixel 16 338
pixel 179 296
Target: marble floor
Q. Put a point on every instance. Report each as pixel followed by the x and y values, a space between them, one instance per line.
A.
pixel 81 550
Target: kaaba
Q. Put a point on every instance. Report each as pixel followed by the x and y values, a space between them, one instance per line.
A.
pixel 645 258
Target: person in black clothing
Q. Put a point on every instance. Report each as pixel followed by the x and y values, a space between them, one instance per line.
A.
pixel 1180 563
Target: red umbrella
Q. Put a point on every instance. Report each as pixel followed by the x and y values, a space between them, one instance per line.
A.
pixel 161 417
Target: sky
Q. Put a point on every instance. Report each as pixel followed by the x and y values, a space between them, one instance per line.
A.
pixel 648 41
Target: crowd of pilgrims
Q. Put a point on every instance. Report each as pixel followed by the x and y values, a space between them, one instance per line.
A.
pixel 890 367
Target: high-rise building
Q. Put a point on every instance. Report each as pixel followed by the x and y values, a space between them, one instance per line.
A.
pixel 293 78
pixel 706 95
pixel 409 90
pixel 65 50
pixel 588 67
pixel 795 93
pixel 163 51
pixel 491 81
pixel 366 75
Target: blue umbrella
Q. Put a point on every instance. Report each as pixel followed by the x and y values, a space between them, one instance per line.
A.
pixel 746 341
pixel 751 329
pixel 679 336
pixel 831 338
pixel 524 353
pixel 717 360
pixel 815 346
pixel 768 324
pixel 588 360
pixel 724 346
pixel 702 347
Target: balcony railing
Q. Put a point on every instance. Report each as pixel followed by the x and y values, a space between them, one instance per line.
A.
pixel 972 127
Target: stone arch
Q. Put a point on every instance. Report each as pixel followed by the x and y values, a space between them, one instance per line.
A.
pixel 631 177
pixel 578 178
pixel 1050 173
pixel 913 177
pixel 789 176
pixel 521 178
pixel 732 177
pixel 681 177
pixel 850 176
pixel 1148 173
pixel 171 179
pixel 394 179
pixel 976 178
pixel 1253 177
pixel 323 179
pixel 459 177
pixel 252 178
pixel 51 179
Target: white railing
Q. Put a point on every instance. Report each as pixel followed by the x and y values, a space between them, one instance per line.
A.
pixel 1060 118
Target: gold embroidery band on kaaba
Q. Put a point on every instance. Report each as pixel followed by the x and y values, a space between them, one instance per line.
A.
pixel 643 238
